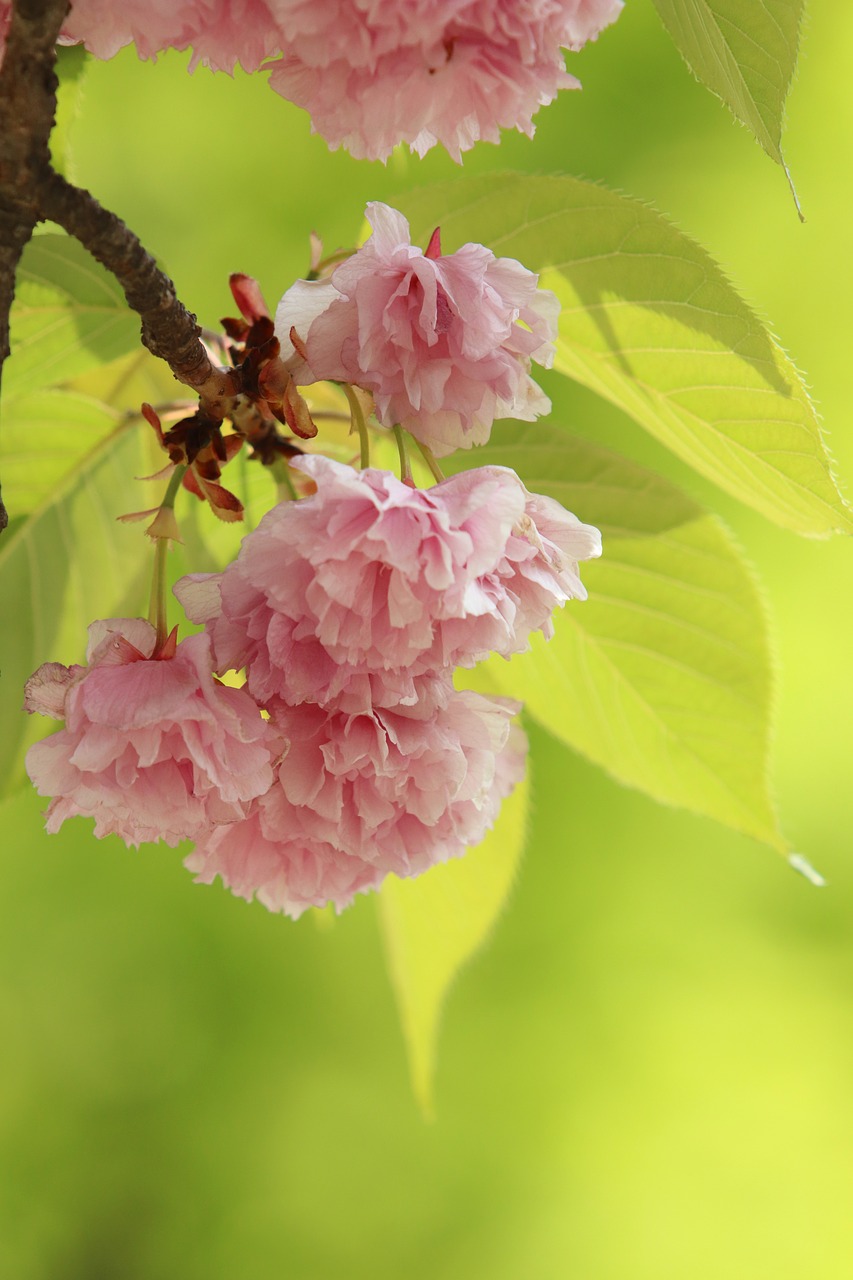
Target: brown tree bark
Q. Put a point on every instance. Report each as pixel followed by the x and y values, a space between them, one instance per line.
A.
pixel 168 329
pixel 27 111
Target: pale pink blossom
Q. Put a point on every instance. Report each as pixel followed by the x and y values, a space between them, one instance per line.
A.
pixel 365 592
pixel 220 33
pixel 341 595
pixel 373 73
pixel 536 573
pixel 153 747
pixel 359 797
pixel 444 343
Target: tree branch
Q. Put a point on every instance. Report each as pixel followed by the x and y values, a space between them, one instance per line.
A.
pixel 27 109
pixel 168 329
pixel 30 190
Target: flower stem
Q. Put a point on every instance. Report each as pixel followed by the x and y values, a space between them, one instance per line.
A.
pixel 430 459
pixel 173 486
pixel 157 604
pixel 284 483
pixel 402 449
pixel 357 419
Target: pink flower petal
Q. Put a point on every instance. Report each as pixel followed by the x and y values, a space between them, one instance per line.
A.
pixel 358 797
pixel 443 344
pixel 153 748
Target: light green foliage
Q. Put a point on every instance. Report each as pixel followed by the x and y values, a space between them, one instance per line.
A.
pixel 647 1075
pixel 745 53
pixel 71 64
pixel 63 565
pixel 662 676
pixel 44 435
pixel 47 433
pixel 71 459
pixel 69 315
pixel 432 925
pixel 650 322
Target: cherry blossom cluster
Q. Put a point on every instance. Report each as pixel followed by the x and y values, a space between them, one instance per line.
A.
pixel 348 753
pixel 370 73
pixel 349 610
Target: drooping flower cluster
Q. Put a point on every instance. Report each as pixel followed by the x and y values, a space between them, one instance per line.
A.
pixel 349 754
pixel 349 610
pixel 370 75
pixel 370 593
pixel 443 343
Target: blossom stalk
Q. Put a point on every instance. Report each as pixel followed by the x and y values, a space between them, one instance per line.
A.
pixel 360 425
pixel 157 615
pixel 403 451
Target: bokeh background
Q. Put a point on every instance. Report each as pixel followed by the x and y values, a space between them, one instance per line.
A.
pixel 649 1071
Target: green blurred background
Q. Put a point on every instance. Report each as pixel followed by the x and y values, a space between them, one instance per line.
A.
pixel 648 1072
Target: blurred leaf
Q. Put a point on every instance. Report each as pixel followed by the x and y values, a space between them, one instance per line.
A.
pixel 69 315
pixel 44 434
pixel 62 566
pixel 432 924
pixel 663 675
pixel 137 376
pixel 746 54
pixel 71 64
pixel 650 322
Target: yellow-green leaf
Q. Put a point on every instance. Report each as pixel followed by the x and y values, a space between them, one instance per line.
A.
pixel 433 924
pixel 45 434
pixel 71 64
pixel 65 564
pixel 745 53
pixel 663 676
pixel 69 315
pixel 650 322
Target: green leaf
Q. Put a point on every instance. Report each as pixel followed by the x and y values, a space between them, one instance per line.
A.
pixel 69 315
pixel 433 924
pixel 746 54
pixel 61 567
pixel 44 435
pixel 663 676
pixel 650 323
pixel 47 433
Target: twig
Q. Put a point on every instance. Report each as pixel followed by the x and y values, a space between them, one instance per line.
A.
pixel 27 110
pixel 30 190
pixel 169 330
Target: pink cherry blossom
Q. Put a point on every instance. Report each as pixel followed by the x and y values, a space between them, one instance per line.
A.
pixel 363 593
pixel 221 33
pixel 371 73
pixel 444 343
pixel 359 797
pixel 453 72
pixel 341 595
pixel 153 747
pixel 535 573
